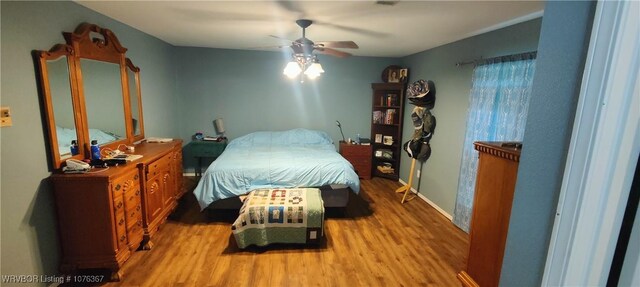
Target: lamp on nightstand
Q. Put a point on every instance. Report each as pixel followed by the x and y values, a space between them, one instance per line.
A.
pixel 219 125
pixel 340 126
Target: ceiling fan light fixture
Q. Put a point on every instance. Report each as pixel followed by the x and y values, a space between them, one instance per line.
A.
pixel 292 70
pixel 314 70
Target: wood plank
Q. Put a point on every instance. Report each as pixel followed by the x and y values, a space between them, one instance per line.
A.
pixel 376 242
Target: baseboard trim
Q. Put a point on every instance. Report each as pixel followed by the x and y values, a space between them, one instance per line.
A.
pixel 421 196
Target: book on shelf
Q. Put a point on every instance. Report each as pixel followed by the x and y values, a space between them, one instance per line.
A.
pixel 389 116
pixel 388 100
pixel 378 117
pixel 391 100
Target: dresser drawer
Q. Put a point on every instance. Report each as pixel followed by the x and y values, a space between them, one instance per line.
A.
pixel 155 167
pixel 126 182
pixel 360 166
pixel 355 150
pixel 120 221
pixel 134 216
pixel 135 232
pixel 363 171
pixel 207 149
pixel 360 160
pixel 132 197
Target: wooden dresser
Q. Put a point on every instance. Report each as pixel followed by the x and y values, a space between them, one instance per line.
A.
pixel 495 184
pixel 104 216
pixel 359 156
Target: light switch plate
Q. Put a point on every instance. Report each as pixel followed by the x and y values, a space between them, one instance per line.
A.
pixel 5 117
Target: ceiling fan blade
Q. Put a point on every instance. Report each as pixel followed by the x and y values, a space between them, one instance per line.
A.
pixel 355 30
pixel 338 44
pixel 333 52
pixel 291 6
pixel 280 38
pixel 268 47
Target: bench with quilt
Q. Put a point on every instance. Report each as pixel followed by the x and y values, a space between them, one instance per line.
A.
pixel 292 215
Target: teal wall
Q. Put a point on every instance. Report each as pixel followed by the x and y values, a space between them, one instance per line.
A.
pixel 556 86
pixel 439 175
pixel 185 89
pixel 29 235
pixel 248 90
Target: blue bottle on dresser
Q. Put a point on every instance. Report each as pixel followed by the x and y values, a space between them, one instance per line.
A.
pixel 95 150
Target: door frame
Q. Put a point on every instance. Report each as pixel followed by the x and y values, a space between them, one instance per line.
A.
pixel 603 153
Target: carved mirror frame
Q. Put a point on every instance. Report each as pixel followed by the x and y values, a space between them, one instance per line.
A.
pixel 92 42
pixel 58 51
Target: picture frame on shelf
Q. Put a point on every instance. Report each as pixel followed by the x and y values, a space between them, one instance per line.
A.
pixel 378 138
pixel 387 140
pixel 388 74
pixel 403 75
pixel 394 76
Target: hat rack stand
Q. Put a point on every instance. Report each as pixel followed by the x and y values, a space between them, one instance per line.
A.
pixel 407 187
pixel 421 94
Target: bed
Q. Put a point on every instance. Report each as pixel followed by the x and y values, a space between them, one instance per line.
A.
pixel 293 158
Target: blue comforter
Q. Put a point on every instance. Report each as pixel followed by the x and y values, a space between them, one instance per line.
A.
pixel 294 158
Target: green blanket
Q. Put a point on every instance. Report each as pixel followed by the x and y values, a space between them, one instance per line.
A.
pixel 294 215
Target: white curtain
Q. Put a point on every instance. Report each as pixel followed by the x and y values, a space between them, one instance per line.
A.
pixel 498 107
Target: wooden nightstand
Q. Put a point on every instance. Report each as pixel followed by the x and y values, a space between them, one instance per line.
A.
pixel 200 149
pixel 359 156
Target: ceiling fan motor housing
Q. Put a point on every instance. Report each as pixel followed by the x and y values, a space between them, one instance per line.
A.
pixel 304 23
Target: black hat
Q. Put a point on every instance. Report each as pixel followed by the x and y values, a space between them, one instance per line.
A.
pixel 422 93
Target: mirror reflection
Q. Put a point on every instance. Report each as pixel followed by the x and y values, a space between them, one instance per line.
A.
pixel 61 100
pixel 133 97
pixel 103 101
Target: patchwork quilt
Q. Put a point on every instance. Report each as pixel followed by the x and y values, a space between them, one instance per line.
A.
pixel 294 215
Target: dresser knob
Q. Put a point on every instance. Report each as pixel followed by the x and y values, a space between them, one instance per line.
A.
pixel 122 238
pixel 121 221
pixel 119 205
pixel 138 208
pixel 135 177
pixel 118 186
pixel 138 192
pixel 139 222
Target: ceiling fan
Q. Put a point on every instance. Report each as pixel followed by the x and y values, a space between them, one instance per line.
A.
pixel 303 58
pixel 305 46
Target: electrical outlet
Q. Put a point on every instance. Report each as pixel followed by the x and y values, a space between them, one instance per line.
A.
pixel 5 117
pixel 418 174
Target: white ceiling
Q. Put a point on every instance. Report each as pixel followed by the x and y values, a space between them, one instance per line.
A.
pixel 380 30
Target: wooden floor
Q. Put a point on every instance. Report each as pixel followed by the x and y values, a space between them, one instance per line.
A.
pixel 375 241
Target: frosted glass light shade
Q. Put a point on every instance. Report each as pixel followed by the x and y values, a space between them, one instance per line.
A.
pixel 314 71
pixel 316 68
pixel 292 70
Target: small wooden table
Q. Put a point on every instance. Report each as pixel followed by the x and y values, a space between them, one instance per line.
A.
pixel 201 149
pixel 359 156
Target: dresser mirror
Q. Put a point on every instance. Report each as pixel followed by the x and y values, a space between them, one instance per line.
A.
pixel 103 101
pixel 56 86
pixel 135 100
pixel 90 91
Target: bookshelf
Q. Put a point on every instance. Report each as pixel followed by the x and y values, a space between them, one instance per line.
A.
pixel 387 114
